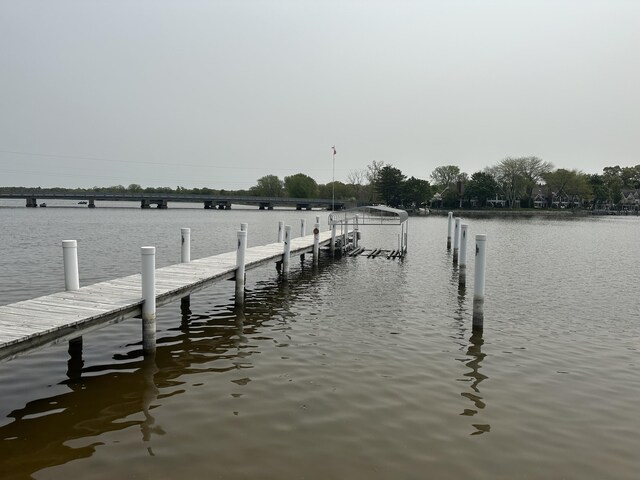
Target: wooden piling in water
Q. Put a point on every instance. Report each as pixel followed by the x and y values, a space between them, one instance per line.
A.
pixel 449 227
pixel 456 240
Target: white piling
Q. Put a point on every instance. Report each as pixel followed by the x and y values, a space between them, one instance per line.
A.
pixel 185 253
pixel 280 231
pixel 240 266
pixel 244 227
pixel 333 239
pixel 406 236
pixel 456 240
pixel 462 260
pixel 149 299
pixel 449 226
pixel 318 219
pixel 303 227
pixel 479 281
pixel 287 250
pixel 316 243
pixel 71 283
pixel 70 260
pixel 356 231
pixel 402 239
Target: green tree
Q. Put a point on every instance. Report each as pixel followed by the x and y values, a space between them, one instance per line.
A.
pixel 268 186
pixel 300 186
pixel 415 192
pixel 445 176
pixel 389 185
pixel 342 191
pixel 533 171
pixel 572 184
pixel 509 176
pixel 481 186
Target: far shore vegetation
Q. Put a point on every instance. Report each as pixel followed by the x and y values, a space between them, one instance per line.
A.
pixel 523 182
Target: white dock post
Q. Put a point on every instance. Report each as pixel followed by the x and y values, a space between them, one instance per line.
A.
pixel 406 236
pixel 316 242
pixel 240 264
pixel 303 227
pixel 401 239
pixel 280 231
pixel 185 252
pixel 185 257
pixel 333 239
pixel 479 281
pixel 449 225
pixel 244 227
pixel 149 299
pixel 356 230
pixel 71 283
pixel 318 219
pixel 70 259
pixel 456 240
pixel 345 234
pixel 462 261
pixel 287 250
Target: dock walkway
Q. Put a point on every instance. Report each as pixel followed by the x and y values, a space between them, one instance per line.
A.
pixel 47 320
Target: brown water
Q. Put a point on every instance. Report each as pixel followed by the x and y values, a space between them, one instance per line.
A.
pixel 362 369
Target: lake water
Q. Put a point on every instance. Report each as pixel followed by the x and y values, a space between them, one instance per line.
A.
pixel 364 369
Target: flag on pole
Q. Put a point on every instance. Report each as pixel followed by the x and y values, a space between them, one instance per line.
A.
pixel 334 150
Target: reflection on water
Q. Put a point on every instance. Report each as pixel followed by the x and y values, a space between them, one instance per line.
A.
pixel 109 397
pixel 474 351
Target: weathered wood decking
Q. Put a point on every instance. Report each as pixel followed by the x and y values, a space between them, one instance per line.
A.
pixel 47 320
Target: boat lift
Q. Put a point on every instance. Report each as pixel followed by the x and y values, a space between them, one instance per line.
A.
pixel 347 241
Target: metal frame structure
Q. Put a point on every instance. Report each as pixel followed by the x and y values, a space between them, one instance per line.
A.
pixel 373 215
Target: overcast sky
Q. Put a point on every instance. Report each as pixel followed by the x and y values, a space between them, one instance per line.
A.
pixel 219 93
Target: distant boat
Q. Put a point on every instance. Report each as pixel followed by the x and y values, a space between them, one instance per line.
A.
pixel 43 204
pixel 82 202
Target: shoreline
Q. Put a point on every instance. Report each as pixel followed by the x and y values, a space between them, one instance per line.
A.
pixel 507 213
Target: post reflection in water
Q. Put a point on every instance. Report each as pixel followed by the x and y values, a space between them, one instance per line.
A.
pixel 149 395
pixel 474 351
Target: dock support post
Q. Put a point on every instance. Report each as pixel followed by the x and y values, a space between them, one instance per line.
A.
pixel 356 231
pixel 303 227
pixel 280 231
pixel 316 242
pixel 479 281
pixel 449 225
pixel 70 259
pixel 185 257
pixel 456 240
pixel 287 250
pixel 240 264
pixel 149 299
pixel 185 253
pixel 72 283
pixel 333 239
pixel 406 236
pixel 462 261
pixel 244 227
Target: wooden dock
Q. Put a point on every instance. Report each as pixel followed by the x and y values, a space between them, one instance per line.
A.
pixel 31 324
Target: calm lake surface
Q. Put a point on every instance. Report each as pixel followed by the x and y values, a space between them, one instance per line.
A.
pixel 365 369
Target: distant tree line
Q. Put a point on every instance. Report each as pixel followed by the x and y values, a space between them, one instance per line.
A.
pixel 511 182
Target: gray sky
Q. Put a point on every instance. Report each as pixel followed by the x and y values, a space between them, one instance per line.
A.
pixel 219 93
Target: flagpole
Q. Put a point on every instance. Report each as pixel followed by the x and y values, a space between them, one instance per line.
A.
pixel 333 180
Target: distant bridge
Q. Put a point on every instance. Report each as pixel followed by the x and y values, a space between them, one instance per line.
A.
pixel 161 200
